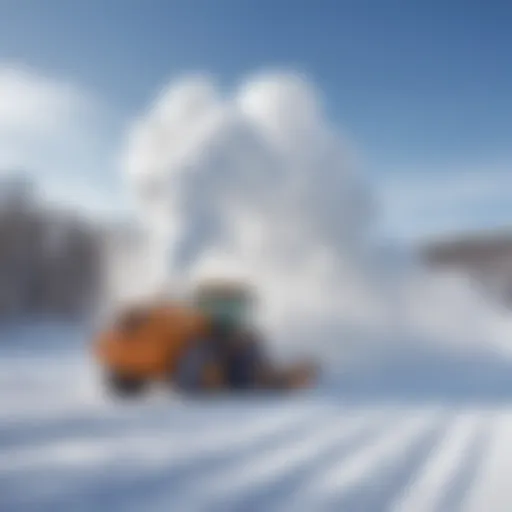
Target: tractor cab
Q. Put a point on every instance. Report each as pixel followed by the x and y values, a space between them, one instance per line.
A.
pixel 168 342
pixel 225 303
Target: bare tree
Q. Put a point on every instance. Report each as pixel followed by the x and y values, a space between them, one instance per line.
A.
pixel 50 261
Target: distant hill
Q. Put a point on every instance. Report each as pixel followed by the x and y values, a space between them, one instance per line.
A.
pixel 486 257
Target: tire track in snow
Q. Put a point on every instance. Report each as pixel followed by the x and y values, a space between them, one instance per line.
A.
pixel 175 477
pixel 119 430
pixel 253 481
pixel 138 429
pixel 379 486
pixel 116 474
pixel 337 483
pixel 110 419
pixel 457 491
pixel 432 484
pixel 493 490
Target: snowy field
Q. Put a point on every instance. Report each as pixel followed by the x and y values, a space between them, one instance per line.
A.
pixel 65 447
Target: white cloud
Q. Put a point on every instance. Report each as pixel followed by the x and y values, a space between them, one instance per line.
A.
pixel 55 131
pixel 31 104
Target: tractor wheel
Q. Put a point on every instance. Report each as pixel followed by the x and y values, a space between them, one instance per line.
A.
pixel 125 387
pixel 300 376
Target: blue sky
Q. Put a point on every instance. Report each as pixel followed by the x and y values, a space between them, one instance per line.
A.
pixel 421 87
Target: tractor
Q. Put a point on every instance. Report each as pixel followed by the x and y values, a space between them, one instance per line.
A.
pixel 162 342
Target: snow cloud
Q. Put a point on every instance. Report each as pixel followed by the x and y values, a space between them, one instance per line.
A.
pixel 257 183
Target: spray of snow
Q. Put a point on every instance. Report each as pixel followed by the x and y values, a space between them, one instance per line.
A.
pixel 258 184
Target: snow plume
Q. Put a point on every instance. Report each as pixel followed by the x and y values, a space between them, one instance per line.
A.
pixel 258 184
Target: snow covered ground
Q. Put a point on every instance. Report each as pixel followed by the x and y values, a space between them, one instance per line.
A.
pixel 65 447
